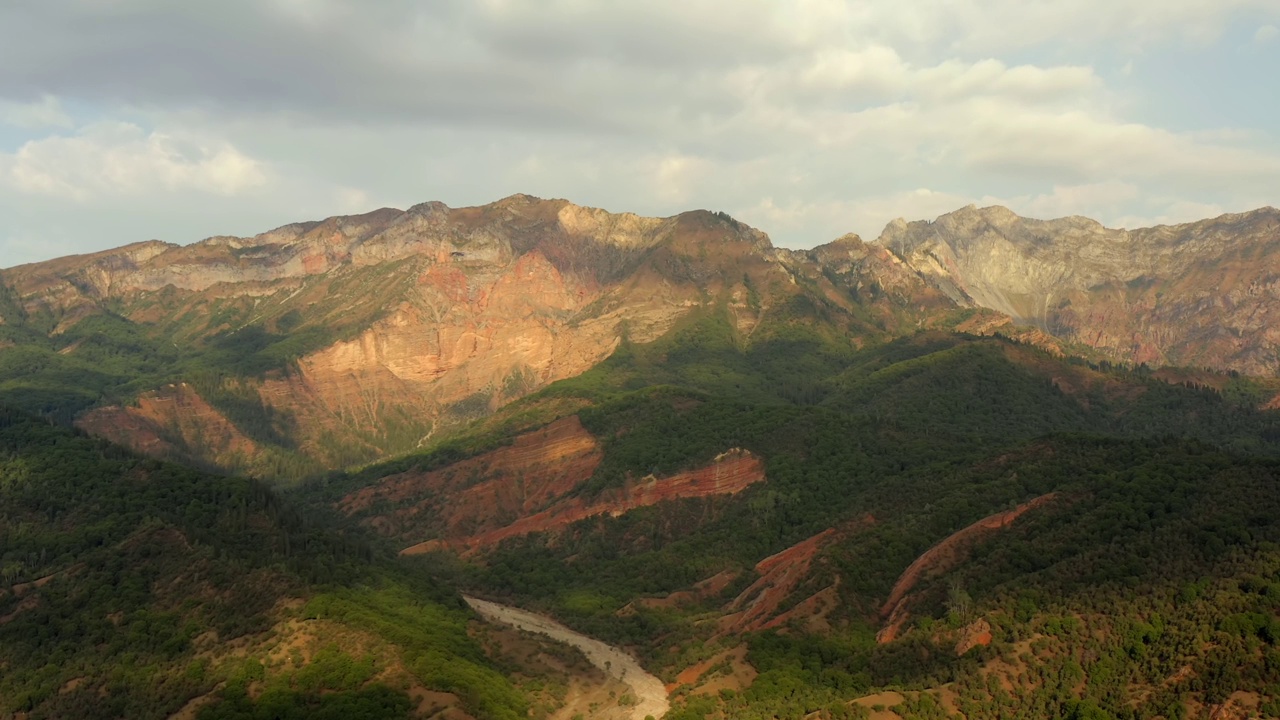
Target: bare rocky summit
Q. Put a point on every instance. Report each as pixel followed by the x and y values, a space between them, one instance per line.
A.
pixel 1203 294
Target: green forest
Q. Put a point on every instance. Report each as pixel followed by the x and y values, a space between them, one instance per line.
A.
pixel 126 582
pixel 1146 586
pixel 1165 499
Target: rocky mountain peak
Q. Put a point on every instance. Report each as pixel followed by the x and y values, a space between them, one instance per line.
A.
pixel 1187 294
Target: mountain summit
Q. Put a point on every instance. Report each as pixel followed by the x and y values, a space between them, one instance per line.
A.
pixel 1202 294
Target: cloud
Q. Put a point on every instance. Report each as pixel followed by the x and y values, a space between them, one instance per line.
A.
pixel 1266 34
pixel 114 159
pixel 808 118
pixel 43 113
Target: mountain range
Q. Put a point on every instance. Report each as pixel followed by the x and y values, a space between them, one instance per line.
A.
pixel 985 466
pixel 359 337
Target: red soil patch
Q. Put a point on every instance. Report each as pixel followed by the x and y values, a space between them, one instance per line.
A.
pixel 488 491
pixel 175 412
pixel 740 676
pixel 780 575
pixel 813 610
pixel 941 558
pixel 23 605
pixel 523 488
pixel 728 474
pixel 702 589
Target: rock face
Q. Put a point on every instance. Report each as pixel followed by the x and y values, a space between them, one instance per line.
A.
pixel 368 335
pixel 1201 294
pixel 756 608
pixel 396 323
pixel 483 493
pixel 174 423
pixel 730 473
pixel 385 328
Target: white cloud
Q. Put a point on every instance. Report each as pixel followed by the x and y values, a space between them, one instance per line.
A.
pixel 1266 34
pixel 43 113
pixel 113 159
pixel 808 118
pixel 992 26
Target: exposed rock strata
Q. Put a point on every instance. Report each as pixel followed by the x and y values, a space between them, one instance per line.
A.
pixel 780 574
pixel 415 320
pixel 484 493
pixel 526 488
pixel 1203 294
pixel 730 473
pixel 174 423
pixel 436 315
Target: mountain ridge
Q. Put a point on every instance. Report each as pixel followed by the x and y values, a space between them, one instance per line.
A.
pixel 741 462
pixel 356 337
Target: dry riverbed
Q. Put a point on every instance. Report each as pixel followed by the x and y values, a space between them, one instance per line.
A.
pixel 651 696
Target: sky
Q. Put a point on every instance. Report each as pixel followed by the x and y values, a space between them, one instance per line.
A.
pixel 128 120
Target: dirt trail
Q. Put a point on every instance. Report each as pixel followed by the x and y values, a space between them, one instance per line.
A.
pixel 649 691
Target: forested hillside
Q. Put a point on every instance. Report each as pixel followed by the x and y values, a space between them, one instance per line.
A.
pixel 1067 489
pixel 135 588
pixel 796 484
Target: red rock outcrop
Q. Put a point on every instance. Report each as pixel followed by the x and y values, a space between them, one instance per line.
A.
pixel 975 634
pixel 730 473
pixel 175 423
pixel 942 557
pixel 739 677
pixel 701 590
pixel 485 492
pixel 780 574
pixel 525 488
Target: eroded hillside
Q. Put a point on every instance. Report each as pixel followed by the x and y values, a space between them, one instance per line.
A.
pixel 337 342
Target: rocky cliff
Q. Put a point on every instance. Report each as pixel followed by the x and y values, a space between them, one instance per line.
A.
pixel 370 334
pixel 357 337
pixel 1203 294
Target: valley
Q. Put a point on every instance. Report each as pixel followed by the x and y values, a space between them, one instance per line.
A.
pixel 649 697
pixel 982 467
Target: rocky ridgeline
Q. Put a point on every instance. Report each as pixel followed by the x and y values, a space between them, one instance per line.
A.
pixel 1204 294
pixel 436 315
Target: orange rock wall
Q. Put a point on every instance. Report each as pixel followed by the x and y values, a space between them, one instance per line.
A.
pixel 780 575
pixel 731 473
pixel 524 489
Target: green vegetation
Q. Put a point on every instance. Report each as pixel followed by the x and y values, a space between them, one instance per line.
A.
pixel 125 579
pixel 1148 587
pixel 60 366
pixel 333 686
pixel 1159 488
